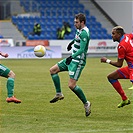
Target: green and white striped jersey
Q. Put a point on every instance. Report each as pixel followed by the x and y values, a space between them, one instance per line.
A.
pixel 80 44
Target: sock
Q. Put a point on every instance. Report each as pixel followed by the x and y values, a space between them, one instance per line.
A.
pixel 116 84
pixel 10 87
pixel 56 81
pixel 77 90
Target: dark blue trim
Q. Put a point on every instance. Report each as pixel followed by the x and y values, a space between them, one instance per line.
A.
pixel 112 80
pixel 131 81
pixel 130 65
pixel 122 74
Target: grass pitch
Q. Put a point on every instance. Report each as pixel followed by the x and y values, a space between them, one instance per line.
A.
pixel 33 85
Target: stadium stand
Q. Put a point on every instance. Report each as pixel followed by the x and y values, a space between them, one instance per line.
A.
pixel 51 16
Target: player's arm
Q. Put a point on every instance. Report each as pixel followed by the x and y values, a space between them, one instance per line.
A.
pixel 4 54
pixel 70 45
pixel 83 42
pixel 117 63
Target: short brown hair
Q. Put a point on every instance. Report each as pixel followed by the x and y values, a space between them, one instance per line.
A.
pixel 81 17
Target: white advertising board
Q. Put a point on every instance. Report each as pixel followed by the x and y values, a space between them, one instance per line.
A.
pixel 102 46
pixel 95 46
pixel 25 52
pixel 6 42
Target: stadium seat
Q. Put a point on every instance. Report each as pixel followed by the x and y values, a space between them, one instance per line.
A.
pixel 1 36
pixel 52 14
pixel 36 37
pixel 30 37
pixel 42 37
pixel 14 20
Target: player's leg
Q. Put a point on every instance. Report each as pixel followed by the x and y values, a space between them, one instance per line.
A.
pixel 7 73
pixel 131 78
pixel 80 94
pixel 74 72
pixel 54 70
pixel 121 73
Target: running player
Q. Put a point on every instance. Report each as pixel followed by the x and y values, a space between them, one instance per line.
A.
pixel 125 52
pixel 74 64
pixel 9 74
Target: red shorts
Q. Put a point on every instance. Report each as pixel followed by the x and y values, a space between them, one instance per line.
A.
pixel 126 73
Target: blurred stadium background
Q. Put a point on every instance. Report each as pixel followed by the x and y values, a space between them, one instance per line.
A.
pixel 22 14
pixel 17 18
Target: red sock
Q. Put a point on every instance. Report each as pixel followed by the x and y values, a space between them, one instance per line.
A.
pixel 116 84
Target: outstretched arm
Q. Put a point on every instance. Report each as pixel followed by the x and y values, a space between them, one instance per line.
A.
pixel 117 63
pixel 4 54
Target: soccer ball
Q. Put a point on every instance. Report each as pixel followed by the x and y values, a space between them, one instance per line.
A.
pixel 39 51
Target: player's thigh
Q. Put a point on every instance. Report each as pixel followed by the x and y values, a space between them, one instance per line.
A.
pixel 123 73
pixel 62 65
pixel 75 69
pixel 4 71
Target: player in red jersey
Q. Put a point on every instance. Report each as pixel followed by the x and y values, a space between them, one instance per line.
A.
pixel 125 52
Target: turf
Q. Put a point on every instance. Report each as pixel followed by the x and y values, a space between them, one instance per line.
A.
pixel 33 85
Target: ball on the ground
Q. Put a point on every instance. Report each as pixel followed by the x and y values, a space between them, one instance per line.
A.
pixel 39 51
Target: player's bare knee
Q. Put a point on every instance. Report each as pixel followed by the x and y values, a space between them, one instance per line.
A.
pixel 52 70
pixel 108 77
pixel 71 86
pixel 11 74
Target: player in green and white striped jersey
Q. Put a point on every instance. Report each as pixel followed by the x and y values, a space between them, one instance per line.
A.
pixel 74 64
pixel 10 75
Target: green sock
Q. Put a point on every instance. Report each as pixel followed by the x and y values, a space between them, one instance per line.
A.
pixel 10 86
pixel 77 90
pixel 56 81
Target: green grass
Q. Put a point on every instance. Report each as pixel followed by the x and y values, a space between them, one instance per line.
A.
pixel 33 85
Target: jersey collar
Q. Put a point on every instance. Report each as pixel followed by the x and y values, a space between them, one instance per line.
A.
pixel 121 38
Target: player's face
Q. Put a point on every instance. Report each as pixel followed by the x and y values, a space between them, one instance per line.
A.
pixel 115 36
pixel 77 24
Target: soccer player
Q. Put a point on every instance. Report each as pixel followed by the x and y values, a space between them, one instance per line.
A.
pixel 74 64
pixel 125 52
pixel 9 74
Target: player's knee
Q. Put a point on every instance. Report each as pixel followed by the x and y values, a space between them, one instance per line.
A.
pixel 54 70
pixel 108 77
pixel 71 86
pixel 50 70
pixel 11 74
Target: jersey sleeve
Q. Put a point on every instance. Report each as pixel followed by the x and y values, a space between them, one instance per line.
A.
pixel 121 52
pixel 131 35
pixel 83 42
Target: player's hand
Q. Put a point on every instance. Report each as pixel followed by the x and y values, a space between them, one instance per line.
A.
pixel 6 55
pixel 103 60
pixel 68 60
pixel 69 47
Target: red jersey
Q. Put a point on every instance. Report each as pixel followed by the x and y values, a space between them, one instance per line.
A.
pixel 125 49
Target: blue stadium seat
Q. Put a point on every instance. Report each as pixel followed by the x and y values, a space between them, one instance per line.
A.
pixel 1 36
pixel 36 37
pixel 53 13
pixel 30 37
pixel 14 20
pixel 42 37
pixel 20 26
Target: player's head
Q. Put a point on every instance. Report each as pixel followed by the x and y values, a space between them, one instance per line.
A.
pixel 79 21
pixel 117 33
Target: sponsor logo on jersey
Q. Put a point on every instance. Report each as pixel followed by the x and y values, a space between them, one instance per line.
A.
pixel 71 73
